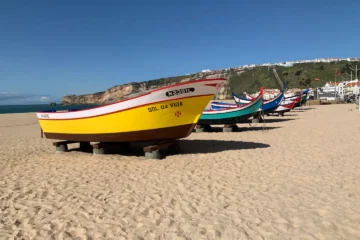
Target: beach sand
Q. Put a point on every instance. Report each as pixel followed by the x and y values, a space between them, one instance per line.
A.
pixel 300 179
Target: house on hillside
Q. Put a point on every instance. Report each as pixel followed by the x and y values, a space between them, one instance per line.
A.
pixel 337 90
pixel 352 87
pixel 352 59
pixel 330 86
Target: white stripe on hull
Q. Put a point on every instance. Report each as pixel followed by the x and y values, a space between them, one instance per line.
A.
pixel 281 108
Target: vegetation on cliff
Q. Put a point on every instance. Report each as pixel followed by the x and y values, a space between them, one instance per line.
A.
pixel 300 75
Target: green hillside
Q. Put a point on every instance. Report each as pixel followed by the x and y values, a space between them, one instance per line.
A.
pixel 301 75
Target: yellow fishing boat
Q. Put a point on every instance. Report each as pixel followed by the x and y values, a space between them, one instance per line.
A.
pixel 165 113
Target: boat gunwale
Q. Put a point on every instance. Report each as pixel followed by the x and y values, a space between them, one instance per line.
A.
pixel 142 95
pixel 250 100
pixel 264 101
pixel 229 105
pixel 108 113
pixel 275 98
pixel 297 98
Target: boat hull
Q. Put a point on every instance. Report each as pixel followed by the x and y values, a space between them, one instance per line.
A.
pixel 160 134
pixel 267 107
pixel 303 99
pixel 153 121
pixel 226 120
pixel 282 110
pixel 146 118
pixel 269 110
pixel 296 99
pixel 231 115
pixel 285 108
pixel 298 104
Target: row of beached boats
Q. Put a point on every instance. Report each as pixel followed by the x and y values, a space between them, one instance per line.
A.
pixel 247 107
pixel 166 113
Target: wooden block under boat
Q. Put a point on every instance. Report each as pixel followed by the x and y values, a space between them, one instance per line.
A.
pixel 160 146
pixel 63 143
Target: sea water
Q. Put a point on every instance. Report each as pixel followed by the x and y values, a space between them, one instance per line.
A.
pixel 40 107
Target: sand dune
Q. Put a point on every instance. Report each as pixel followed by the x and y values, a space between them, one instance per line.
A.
pixel 299 179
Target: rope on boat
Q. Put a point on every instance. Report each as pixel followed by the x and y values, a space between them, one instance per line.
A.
pixel 18 125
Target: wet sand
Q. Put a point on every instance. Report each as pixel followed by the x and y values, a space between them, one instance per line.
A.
pixel 299 179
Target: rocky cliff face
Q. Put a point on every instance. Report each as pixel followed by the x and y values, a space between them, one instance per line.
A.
pixel 129 90
pixel 110 95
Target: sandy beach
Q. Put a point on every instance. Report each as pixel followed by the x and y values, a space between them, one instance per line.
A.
pixel 299 179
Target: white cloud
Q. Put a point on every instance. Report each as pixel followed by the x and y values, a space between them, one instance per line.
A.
pixel 44 98
pixel 23 98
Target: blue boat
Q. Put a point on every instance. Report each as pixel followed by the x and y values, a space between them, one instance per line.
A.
pixel 267 106
pixel 304 96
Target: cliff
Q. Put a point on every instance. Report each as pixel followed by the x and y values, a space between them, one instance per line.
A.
pixel 112 94
pixel 124 91
pixel 250 79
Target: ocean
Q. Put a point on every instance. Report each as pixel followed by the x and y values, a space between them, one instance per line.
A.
pixel 41 107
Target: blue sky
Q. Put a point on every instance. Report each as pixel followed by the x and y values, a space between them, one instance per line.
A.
pixel 53 48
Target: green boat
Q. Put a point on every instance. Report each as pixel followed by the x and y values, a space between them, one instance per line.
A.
pixel 304 97
pixel 231 115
